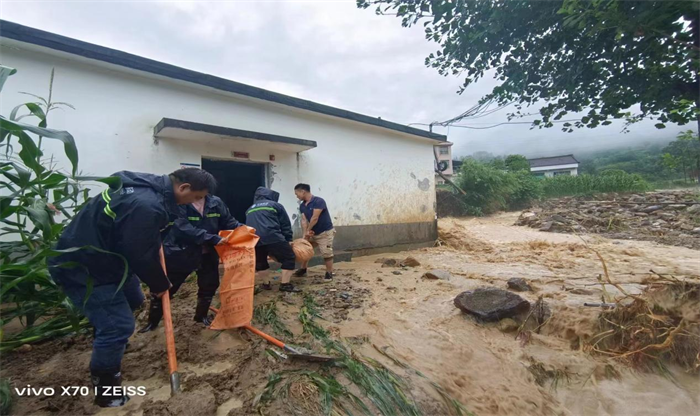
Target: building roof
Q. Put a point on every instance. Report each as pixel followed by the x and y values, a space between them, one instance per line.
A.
pixel 168 127
pixel 552 161
pixel 11 30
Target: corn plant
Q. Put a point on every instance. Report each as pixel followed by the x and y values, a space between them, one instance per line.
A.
pixel 36 202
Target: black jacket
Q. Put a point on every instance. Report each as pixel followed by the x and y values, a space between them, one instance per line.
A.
pixel 192 230
pixel 269 218
pixel 127 222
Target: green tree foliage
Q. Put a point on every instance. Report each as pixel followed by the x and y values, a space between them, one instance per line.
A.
pixel 498 163
pixel 612 59
pixel 490 189
pixel 616 59
pixel 673 164
pixel 683 155
pixel 517 163
pixel 644 160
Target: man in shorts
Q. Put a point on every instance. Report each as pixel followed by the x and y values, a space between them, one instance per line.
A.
pixel 272 225
pixel 317 227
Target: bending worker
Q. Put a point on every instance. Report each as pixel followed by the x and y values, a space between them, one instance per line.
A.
pixel 190 247
pixel 121 225
pixel 272 225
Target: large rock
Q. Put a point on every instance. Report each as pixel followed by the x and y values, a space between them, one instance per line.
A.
pixel 437 274
pixel 693 209
pixel 410 262
pixel 491 304
pixel 518 284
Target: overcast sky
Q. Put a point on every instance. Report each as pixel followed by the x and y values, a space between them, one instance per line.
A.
pixel 324 51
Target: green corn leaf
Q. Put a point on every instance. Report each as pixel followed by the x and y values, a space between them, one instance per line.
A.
pixel 19 176
pixel 114 182
pixel 11 283
pixel 51 181
pixel 69 146
pixel 6 209
pixel 30 153
pixel 41 219
pixel 34 110
pixel 5 72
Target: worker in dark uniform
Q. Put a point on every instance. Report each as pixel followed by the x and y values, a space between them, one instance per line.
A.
pixel 272 225
pixel 190 247
pixel 114 228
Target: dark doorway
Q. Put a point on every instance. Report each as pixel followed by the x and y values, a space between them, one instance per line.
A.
pixel 237 183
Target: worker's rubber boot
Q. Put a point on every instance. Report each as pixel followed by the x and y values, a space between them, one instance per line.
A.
pixel 155 314
pixel 104 381
pixel 201 313
pixel 299 273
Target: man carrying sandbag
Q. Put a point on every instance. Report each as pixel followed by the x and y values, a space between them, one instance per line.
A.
pixel 189 247
pixel 272 225
pixel 317 227
pixel 111 228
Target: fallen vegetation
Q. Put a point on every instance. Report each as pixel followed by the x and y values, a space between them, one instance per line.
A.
pixel 651 330
pixel 388 392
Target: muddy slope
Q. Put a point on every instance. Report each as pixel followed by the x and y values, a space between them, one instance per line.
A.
pixel 395 309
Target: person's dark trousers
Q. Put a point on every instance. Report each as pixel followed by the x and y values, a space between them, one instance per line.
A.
pixel 111 312
pixel 155 310
pixel 208 283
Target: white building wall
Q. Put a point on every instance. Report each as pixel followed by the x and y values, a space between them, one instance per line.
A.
pixel 368 175
pixel 549 171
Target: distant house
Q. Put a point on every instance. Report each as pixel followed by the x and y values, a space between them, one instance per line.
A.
pixel 554 166
pixel 443 152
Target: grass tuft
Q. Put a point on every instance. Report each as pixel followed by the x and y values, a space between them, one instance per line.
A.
pixel 266 314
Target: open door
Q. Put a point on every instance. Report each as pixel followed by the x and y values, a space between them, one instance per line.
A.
pixel 237 182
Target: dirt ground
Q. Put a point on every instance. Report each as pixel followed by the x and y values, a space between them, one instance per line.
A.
pixel 393 308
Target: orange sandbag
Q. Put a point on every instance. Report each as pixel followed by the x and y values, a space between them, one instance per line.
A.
pixel 303 250
pixel 238 284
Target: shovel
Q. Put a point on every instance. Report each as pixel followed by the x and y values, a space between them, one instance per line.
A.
pixel 169 336
pixel 291 352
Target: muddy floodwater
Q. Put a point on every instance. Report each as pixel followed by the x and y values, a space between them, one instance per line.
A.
pixel 395 309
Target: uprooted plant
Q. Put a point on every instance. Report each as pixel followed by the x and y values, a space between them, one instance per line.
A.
pixel 660 326
pixel 36 202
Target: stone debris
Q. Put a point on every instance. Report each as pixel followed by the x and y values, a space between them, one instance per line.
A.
pixel 667 217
